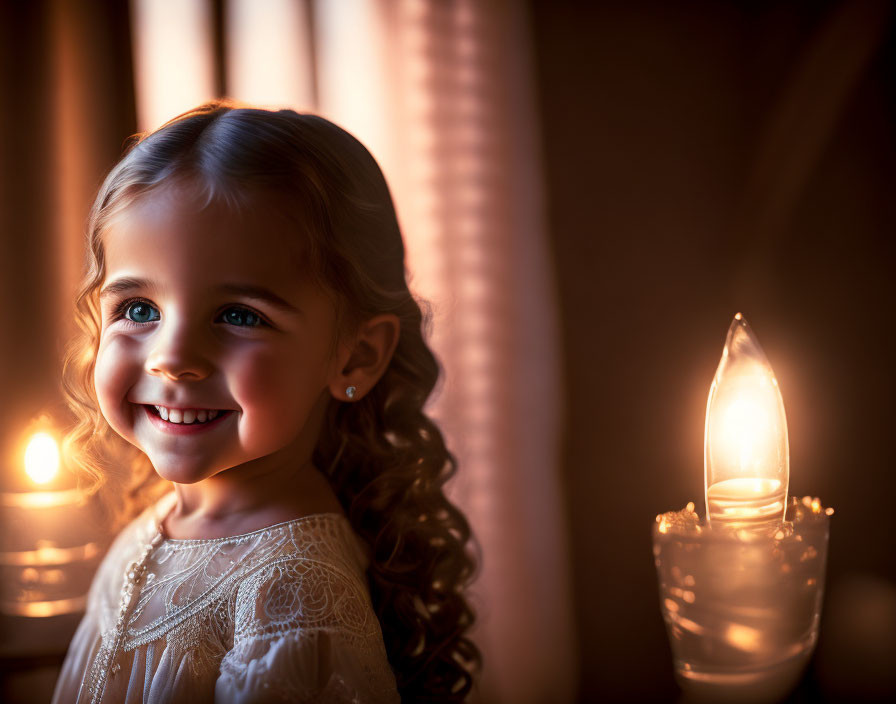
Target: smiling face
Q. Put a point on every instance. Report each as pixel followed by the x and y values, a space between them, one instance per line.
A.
pixel 206 310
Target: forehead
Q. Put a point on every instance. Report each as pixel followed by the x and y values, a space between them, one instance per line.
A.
pixel 173 232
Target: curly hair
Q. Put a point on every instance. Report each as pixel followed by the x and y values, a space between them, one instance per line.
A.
pixel 384 457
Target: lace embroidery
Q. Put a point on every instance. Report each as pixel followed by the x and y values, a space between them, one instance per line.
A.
pixel 290 595
pixel 214 598
pixel 111 642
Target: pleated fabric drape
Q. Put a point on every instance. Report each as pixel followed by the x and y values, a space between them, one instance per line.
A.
pixel 443 94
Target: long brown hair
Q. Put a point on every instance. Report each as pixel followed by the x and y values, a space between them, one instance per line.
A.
pixel 384 457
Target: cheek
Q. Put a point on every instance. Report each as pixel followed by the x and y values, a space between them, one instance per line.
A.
pixel 116 371
pixel 277 389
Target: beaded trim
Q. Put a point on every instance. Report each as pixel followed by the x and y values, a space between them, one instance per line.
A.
pixel 112 641
pixel 179 543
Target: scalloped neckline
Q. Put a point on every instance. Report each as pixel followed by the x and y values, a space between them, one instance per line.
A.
pixel 328 515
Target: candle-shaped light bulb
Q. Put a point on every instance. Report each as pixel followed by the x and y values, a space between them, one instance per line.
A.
pixel 746 454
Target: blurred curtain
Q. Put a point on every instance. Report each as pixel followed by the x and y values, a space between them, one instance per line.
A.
pixel 67 94
pixel 443 94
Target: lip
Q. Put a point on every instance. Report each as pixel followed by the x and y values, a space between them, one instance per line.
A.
pixel 185 428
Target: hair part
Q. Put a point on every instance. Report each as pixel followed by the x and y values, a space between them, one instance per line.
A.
pixel 384 457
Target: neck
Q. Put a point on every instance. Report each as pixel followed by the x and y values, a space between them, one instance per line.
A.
pixel 245 499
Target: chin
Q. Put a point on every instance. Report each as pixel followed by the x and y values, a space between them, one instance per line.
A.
pixel 181 474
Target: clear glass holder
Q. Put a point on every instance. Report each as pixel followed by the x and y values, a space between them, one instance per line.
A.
pixel 742 610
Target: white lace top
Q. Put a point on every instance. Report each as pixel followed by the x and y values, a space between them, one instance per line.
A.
pixel 279 614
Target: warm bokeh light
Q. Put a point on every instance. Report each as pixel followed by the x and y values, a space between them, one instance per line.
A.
pixel 42 458
pixel 44 609
pixel 269 56
pixel 173 58
pixel 47 553
pixel 747 460
pixel 353 71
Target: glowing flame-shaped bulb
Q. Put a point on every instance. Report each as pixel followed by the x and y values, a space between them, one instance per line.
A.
pixel 746 455
pixel 42 458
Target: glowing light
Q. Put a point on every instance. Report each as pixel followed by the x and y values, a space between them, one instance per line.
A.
pixel 269 54
pixel 352 50
pixel 40 499
pixel 173 58
pixel 744 637
pixel 43 609
pixel 42 458
pixel 746 453
pixel 51 555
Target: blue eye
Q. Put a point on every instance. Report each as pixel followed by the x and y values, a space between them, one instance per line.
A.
pixel 141 312
pixel 241 317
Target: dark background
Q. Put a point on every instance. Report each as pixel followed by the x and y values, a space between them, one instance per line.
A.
pixel 704 158
pixel 701 158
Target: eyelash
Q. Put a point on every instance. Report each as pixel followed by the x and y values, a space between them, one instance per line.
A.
pixel 121 309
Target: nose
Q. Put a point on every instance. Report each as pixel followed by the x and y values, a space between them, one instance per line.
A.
pixel 179 354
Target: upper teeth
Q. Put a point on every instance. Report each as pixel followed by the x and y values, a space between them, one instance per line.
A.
pixel 187 415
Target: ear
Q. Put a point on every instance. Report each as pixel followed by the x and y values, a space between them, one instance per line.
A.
pixel 364 361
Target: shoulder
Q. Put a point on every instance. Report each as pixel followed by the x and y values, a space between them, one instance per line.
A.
pixel 304 626
pixel 316 582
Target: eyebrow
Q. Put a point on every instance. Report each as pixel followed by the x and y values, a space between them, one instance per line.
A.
pixel 258 293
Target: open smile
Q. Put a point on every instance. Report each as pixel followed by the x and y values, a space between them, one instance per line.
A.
pixel 184 428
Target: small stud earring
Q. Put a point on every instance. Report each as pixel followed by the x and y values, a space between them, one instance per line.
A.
pixel 350 391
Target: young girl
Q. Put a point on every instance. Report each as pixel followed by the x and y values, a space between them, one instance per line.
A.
pixel 248 338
